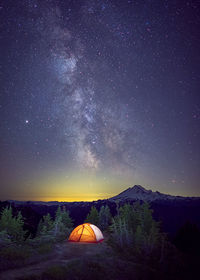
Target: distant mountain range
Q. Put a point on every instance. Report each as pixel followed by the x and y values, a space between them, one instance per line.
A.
pixel 137 192
pixel 134 193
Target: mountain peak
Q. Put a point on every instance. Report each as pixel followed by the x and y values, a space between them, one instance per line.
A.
pixel 138 188
pixel 137 192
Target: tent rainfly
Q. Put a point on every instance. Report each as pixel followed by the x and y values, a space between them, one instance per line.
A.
pixel 86 233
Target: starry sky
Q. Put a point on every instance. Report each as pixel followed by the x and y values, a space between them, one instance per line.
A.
pixel 96 96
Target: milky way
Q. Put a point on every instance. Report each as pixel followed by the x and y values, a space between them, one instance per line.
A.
pixel 95 122
pixel 103 91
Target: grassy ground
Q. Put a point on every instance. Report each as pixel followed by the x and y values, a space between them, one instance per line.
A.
pixel 62 254
pixel 83 261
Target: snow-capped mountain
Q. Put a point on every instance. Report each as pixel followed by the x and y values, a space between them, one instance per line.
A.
pixel 137 192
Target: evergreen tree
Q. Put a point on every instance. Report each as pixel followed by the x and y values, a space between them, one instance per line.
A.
pixel 130 215
pixel 48 222
pixel 67 221
pixel 62 224
pixel 145 217
pixel 93 216
pixel 121 234
pixel 59 228
pixel 104 217
pixel 13 226
pixel 45 225
pixel 58 212
pixel 39 227
pixel 6 221
pixel 138 239
pixel 135 230
pixel 19 223
pixel 149 229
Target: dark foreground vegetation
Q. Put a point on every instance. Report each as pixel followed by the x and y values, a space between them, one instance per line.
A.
pixel 134 247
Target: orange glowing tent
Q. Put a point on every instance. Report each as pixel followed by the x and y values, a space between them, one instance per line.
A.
pixel 86 233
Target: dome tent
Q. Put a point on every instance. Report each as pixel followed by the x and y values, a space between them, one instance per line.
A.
pixel 86 233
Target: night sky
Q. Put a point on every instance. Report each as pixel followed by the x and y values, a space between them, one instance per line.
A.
pixel 96 96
